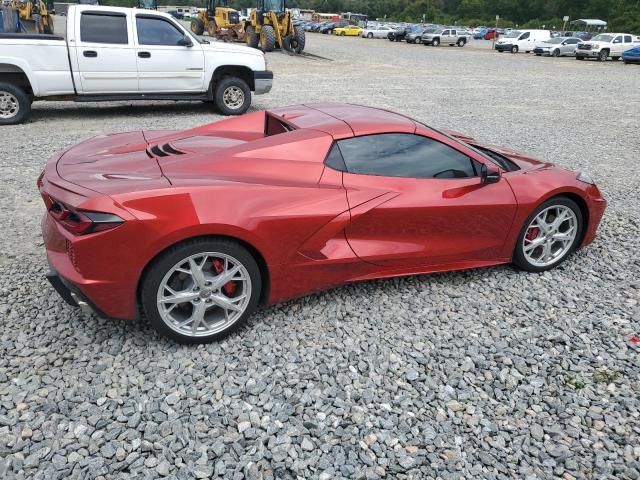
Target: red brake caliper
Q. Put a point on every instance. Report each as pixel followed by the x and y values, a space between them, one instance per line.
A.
pixel 230 287
pixel 532 234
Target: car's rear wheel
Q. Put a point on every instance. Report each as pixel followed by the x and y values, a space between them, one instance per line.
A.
pixel 549 235
pixel 369 35
pixel 201 290
pixel 435 42
pixel 514 49
pixel 15 104
pixel 461 42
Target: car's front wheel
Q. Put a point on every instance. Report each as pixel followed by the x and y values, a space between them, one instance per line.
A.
pixel 549 235
pixel 201 290
pixel 232 96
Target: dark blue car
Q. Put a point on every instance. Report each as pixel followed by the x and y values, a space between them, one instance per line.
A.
pixel 632 55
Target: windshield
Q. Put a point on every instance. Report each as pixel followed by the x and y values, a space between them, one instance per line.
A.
pixel 512 34
pixel 273 5
pixel 439 31
pixel 602 38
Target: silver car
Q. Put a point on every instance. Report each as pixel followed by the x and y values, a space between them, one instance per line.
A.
pixel 376 32
pixel 558 47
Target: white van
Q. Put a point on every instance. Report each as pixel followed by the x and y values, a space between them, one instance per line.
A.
pixel 521 40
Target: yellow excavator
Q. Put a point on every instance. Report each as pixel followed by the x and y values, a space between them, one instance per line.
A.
pixel 219 21
pixel 24 10
pixel 270 26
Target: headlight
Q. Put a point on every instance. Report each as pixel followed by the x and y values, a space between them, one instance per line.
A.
pixel 583 177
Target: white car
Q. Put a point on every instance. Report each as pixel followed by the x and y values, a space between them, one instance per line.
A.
pixel 125 54
pixel 376 32
pixel 606 45
pixel 521 40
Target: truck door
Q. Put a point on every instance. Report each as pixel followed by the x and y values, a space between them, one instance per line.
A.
pixel 165 62
pixel 105 53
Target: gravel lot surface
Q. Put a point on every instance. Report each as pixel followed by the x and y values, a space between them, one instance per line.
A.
pixel 491 373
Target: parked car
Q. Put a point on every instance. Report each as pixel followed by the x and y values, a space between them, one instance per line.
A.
pixel 446 36
pixel 632 55
pixel 134 221
pixel 522 40
pixel 399 34
pixel 376 32
pixel 416 36
pixel 349 30
pixel 491 33
pixel 328 28
pixel 606 45
pixel 584 36
pixel 557 47
pixel 102 60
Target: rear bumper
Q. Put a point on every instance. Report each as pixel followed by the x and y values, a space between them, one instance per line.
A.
pixel 71 294
pixel 263 82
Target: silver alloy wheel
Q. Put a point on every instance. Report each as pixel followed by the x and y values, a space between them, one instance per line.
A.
pixel 9 105
pixel 550 236
pixel 204 294
pixel 233 97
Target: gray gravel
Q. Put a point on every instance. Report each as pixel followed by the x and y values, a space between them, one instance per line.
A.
pixel 490 373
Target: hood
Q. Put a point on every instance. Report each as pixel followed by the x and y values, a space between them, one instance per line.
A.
pixel 236 49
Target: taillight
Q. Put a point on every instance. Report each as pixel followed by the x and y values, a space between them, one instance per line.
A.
pixel 81 222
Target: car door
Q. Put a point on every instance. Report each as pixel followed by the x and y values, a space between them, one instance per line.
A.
pixel 569 46
pixel 523 41
pixel 105 53
pixel 165 64
pixel 617 45
pixel 417 201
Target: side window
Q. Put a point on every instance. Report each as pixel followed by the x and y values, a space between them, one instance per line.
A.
pixel 157 31
pixel 402 155
pixel 618 40
pixel 525 35
pixel 101 28
pixel 453 32
pixel 572 41
pixel 628 39
pixel 446 32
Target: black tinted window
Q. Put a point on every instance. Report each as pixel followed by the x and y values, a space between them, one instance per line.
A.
pixel 103 28
pixel 525 36
pixel 628 39
pixel 157 31
pixel 404 155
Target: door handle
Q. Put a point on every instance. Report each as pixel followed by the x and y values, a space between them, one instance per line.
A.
pixel 144 54
pixel 90 53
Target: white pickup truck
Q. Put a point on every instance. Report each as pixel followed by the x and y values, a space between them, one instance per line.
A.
pixel 606 45
pixel 125 54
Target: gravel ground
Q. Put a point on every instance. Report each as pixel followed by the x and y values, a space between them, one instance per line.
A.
pixel 491 373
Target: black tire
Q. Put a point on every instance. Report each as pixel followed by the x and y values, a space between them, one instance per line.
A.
pixel 514 49
pixel 418 40
pixel 435 42
pixel 15 97
pixel 197 26
pixel 299 40
pixel 267 38
pixel 369 35
pixel 519 258
pixel 252 38
pixel 154 276
pixel 615 59
pixel 462 42
pixel 556 53
pixel 603 55
pixel 228 88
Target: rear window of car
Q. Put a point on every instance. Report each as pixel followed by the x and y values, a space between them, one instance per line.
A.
pixel 104 28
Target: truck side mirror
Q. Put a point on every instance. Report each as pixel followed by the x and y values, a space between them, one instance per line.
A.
pixel 185 42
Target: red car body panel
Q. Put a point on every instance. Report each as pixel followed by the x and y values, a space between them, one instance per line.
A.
pixel 311 227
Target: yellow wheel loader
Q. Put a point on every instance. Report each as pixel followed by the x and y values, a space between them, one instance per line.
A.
pixel 24 10
pixel 271 26
pixel 219 21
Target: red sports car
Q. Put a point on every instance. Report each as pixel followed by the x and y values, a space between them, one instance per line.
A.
pixel 197 228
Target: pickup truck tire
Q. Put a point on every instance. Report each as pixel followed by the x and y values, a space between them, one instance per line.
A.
pixel 197 26
pixel 615 59
pixel 252 38
pixel 435 42
pixel 15 105
pixel 461 42
pixel 232 96
pixel 603 55
pixel 268 38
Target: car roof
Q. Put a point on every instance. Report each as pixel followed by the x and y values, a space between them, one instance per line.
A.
pixel 344 120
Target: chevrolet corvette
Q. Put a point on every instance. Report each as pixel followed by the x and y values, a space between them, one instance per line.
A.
pixel 195 229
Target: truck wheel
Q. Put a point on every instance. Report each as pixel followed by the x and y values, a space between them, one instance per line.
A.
pixel 15 106
pixel 267 38
pixel 461 42
pixel 602 56
pixel 435 42
pixel 232 96
pixel 615 59
pixel 252 37
pixel 197 26
pixel 299 40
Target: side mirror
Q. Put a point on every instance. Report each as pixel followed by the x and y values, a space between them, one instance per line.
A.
pixel 489 176
pixel 185 42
